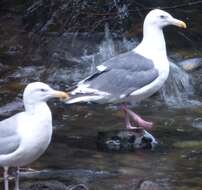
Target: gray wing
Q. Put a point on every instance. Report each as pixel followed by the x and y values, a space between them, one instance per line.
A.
pixel 121 82
pixel 129 61
pixel 123 75
pixel 9 138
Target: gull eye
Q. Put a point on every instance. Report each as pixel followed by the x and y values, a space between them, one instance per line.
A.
pixel 162 16
pixel 43 90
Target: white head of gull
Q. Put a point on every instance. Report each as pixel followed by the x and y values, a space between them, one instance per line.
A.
pixel 25 136
pixel 134 75
pixel 153 43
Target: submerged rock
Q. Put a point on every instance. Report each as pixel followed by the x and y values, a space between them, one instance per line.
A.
pixel 73 176
pixel 149 185
pixel 125 140
pixel 191 64
pixel 3 68
pixel 51 185
pixel 44 185
pixel 189 144
pixel 197 123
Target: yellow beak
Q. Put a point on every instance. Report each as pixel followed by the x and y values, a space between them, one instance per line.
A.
pixel 62 95
pixel 180 24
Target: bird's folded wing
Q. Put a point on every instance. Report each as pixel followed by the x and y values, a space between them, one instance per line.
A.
pixel 129 61
pixel 120 76
pixel 9 138
pixel 120 82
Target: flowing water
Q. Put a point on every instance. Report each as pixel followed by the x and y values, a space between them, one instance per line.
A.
pixel 174 164
pixel 178 90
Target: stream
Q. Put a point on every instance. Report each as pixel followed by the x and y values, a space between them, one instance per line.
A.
pixel 62 61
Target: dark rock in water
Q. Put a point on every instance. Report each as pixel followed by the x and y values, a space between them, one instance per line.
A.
pixel 141 184
pixel 196 81
pixel 78 187
pixel 149 185
pixel 69 176
pixel 3 68
pixel 197 123
pixel 51 185
pixel 11 108
pixel 44 185
pixel 191 64
pixel 125 140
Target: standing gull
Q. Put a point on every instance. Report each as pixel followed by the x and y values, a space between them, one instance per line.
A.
pixel 134 75
pixel 25 136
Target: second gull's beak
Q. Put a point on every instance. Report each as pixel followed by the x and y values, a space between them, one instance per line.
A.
pixel 62 95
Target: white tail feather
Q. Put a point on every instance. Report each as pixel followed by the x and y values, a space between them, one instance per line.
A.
pixel 84 99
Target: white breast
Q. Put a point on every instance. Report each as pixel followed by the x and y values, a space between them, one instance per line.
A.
pixel 152 47
pixel 35 131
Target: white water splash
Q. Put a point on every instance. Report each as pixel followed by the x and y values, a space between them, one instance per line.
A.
pixel 178 90
pixel 109 48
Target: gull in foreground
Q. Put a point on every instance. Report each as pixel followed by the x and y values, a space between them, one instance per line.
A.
pixel 25 136
pixel 131 76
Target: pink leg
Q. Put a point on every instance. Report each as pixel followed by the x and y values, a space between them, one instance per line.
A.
pixel 142 123
pixel 127 122
pixel 138 130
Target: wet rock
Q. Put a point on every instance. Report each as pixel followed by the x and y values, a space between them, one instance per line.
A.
pixel 194 154
pixel 28 73
pixel 197 123
pixel 69 176
pixel 125 140
pixel 197 78
pixel 191 64
pixel 78 187
pixel 51 185
pixel 149 185
pixel 189 144
pixel 140 184
pixel 3 67
pixel 132 184
pixel 11 107
pixel 44 185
